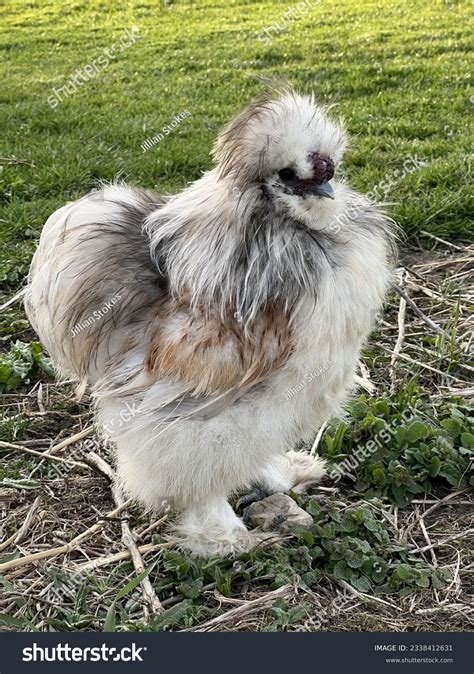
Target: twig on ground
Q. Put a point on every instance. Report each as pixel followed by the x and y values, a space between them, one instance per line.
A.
pixel 67 547
pixel 400 338
pixel 443 263
pixel 12 300
pixel 364 382
pixel 71 440
pixel 244 609
pixel 19 535
pixel 423 349
pixel 365 596
pixel 427 539
pixel 318 439
pixel 437 238
pixel 14 160
pixel 152 526
pixel 39 398
pixel 425 366
pixel 63 444
pixel 434 507
pixel 438 544
pixel 43 455
pixel 456 580
pixel 418 311
pixel 151 601
pixel 121 556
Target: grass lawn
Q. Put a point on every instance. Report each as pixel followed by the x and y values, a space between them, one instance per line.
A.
pixel 398 72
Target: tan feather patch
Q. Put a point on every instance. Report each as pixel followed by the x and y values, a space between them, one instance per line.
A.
pixel 212 356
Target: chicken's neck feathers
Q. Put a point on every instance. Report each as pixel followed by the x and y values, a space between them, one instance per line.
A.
pixel 242 252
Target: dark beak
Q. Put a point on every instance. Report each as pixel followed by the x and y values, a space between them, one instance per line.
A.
pixel 324 190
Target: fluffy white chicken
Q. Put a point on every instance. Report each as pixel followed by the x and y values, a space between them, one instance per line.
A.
pixel 192 316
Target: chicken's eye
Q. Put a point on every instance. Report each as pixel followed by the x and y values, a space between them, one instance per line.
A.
pixel 287 174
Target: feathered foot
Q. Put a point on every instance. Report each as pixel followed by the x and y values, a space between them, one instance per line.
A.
pixel 304 470
pixel 213 529
pixel 296 471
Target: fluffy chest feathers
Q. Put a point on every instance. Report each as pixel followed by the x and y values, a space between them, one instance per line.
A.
pixel 348 299
pixel 262 298
pixel 237 255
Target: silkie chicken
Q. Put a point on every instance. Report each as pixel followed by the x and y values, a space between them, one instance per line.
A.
pixel 191 316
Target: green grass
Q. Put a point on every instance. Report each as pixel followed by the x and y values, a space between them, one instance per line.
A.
pixel 397 73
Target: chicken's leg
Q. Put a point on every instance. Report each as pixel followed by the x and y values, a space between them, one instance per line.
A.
pixel 212 528
pixel 296 471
